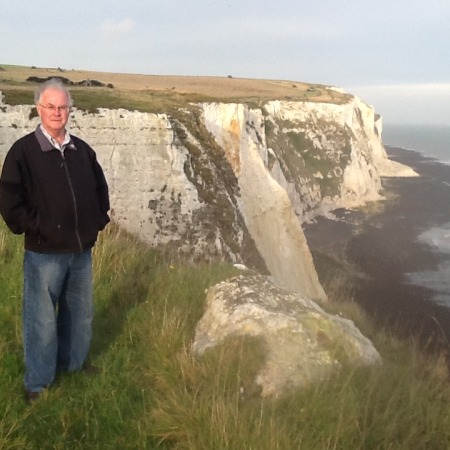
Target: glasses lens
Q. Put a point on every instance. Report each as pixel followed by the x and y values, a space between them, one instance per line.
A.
pixel 54 108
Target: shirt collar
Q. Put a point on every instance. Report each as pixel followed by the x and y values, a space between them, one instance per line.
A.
pixel 47 143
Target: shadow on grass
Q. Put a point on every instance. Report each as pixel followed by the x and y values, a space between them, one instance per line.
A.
pixel 118 296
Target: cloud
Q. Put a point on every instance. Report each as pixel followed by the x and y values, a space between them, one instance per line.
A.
pixel 425 103
pixel 115 27
pixel 405 90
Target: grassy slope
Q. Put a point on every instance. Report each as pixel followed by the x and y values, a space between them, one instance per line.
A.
pixel 153 393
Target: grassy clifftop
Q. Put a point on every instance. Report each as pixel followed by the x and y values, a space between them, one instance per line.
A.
pixel 154 93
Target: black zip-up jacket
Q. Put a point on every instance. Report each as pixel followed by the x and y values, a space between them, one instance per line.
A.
pixel 60 201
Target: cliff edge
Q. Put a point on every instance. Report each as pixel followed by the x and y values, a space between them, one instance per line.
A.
pixel 232 181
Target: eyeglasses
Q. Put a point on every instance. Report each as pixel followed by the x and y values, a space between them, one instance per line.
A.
pixel 54 108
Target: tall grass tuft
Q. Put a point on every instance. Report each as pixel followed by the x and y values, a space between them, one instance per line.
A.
pixel 153 393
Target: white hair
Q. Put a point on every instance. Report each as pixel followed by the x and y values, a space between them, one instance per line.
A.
pixel 53 83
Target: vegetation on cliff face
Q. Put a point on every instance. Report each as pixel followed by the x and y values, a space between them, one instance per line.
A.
pixel 217 186
pixel 303 159
pixel 153 393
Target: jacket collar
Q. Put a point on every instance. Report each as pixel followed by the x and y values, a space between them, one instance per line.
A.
pixel 46 144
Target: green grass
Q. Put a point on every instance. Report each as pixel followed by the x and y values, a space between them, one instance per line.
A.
pixel 149 101
pixel 152 393
pixel 89 99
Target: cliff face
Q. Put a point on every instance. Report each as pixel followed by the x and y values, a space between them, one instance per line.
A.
pixel 230 181
pixel 328 156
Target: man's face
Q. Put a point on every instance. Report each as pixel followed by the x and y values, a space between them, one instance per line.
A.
pixel 53 109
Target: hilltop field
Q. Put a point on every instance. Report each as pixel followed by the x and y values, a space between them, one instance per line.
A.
pixel 193 87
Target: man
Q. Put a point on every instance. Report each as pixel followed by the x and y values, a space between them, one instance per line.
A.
pixel 54 191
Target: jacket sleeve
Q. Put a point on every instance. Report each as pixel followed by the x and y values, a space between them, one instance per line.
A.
pixel 102 193
pixel 15 206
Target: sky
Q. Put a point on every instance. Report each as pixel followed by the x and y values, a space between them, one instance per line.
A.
pixel 393 54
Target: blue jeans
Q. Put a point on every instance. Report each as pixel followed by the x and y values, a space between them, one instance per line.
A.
pixel 57 315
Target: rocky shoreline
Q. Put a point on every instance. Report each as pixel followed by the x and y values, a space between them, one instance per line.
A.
pixel 380 245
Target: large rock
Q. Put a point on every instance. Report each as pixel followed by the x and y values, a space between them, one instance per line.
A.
pixel 304 344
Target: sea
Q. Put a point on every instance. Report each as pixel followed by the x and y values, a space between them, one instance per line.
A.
pixel 433 142
pixel 430 140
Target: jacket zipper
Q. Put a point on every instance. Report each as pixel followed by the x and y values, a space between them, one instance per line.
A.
pixel 74 201
pixel 38 227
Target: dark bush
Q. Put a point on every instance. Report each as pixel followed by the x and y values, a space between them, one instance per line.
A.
pixel 67 82
pixel 63 80
pixel 88 83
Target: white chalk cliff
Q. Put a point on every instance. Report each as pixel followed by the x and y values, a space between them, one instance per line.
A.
pixel 230 181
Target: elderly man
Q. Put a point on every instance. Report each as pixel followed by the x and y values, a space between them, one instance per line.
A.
pixel 53 190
